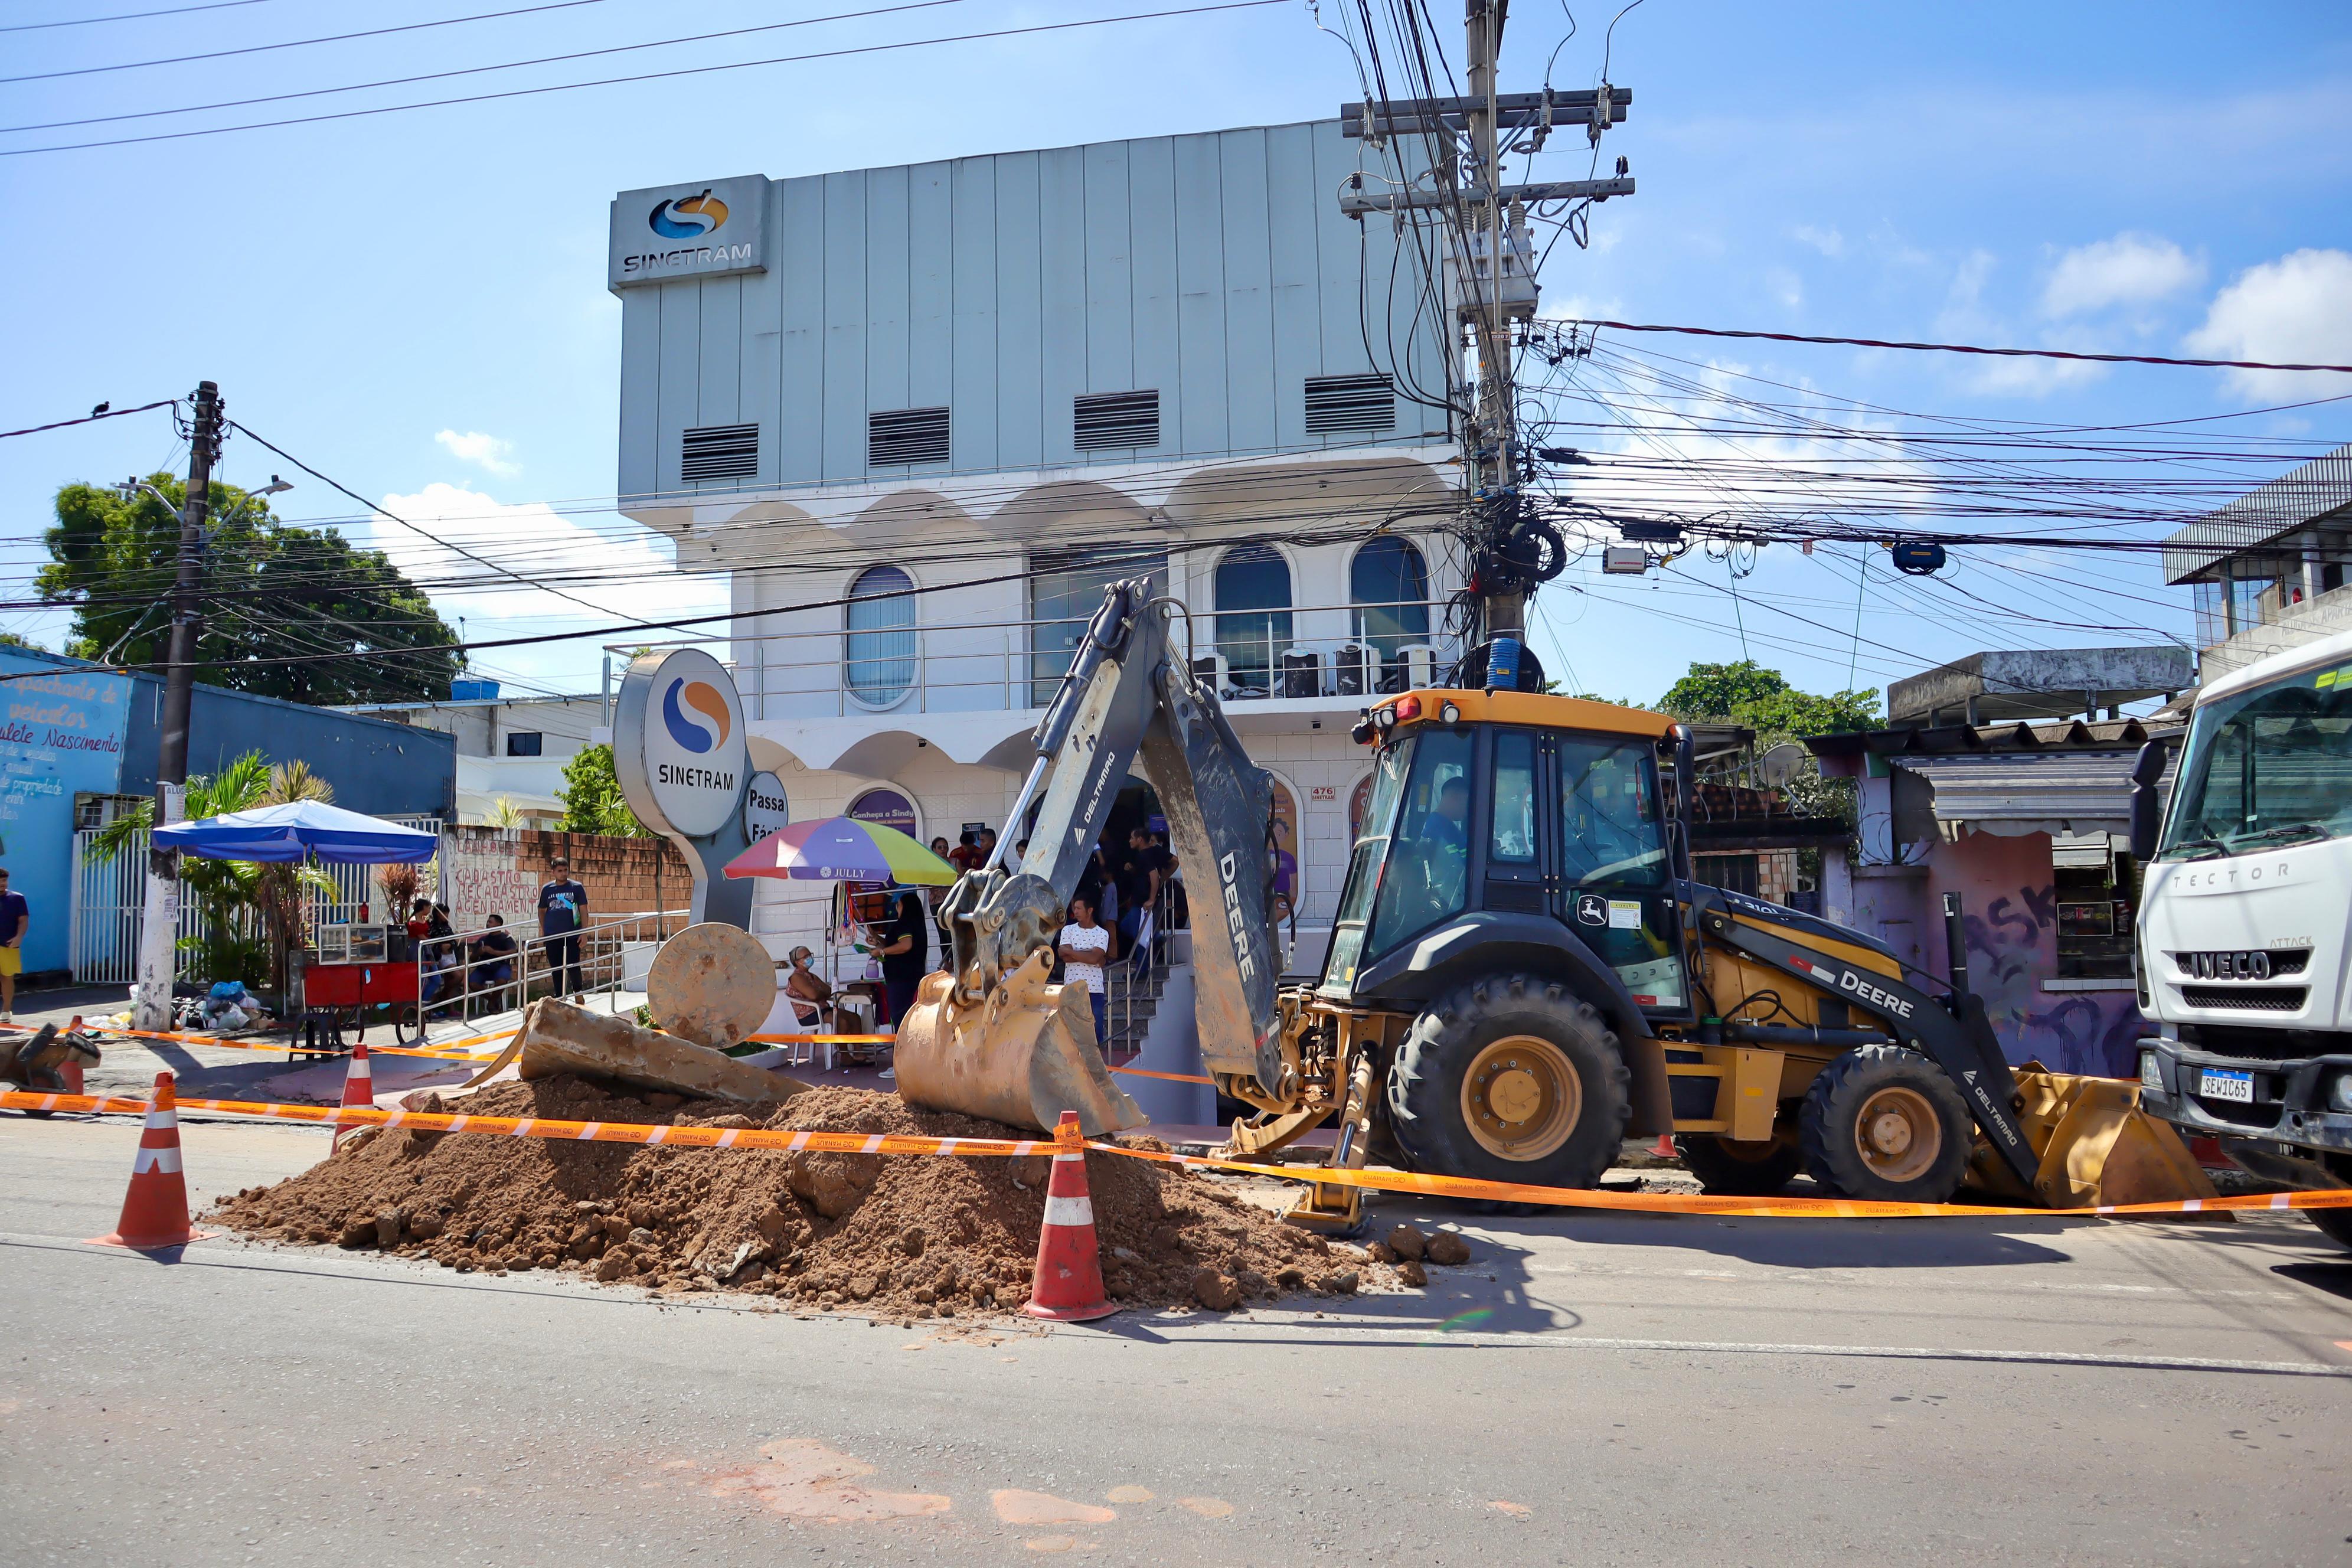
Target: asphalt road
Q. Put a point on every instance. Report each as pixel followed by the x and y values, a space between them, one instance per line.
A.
pixel 1598 1389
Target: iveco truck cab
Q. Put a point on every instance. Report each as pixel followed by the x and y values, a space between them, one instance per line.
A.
pixel 2245 926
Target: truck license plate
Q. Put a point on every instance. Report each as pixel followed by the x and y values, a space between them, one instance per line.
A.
pixel 2216 1084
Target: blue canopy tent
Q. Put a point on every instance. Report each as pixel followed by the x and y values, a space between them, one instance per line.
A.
pixel 274 835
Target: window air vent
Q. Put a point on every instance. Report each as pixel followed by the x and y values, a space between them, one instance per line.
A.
pixel 907 435
pixel 1336 402
pixel 719 452
pixel 1103 420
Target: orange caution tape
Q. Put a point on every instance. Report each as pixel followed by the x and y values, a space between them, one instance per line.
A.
pixel 1685 1203
pixel 447 1050
pixel 676 1136
pixel 822 1039
pixel 1171 1077
pixel 1377 1181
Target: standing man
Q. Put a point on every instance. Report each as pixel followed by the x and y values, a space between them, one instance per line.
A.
pixel 1140 873
pixel 16 919
pixel 907 956
pixel 562 904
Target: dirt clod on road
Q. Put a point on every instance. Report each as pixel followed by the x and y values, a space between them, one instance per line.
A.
pixel 898 1236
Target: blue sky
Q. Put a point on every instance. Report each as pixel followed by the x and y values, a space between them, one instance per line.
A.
pixel 414 302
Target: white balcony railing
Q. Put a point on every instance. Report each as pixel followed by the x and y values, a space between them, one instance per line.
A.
pixel 1307 651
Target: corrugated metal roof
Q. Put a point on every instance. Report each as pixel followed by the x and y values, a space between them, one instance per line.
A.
pixel 2015 793
pixel 2262 516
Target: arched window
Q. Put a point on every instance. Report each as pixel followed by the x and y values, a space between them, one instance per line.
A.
pixel 879 660
pixel 1389 584
pixel 1253 590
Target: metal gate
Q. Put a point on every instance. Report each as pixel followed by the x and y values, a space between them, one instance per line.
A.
pixel 109 905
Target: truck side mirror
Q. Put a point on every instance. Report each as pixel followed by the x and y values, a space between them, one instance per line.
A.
pixel 2147 803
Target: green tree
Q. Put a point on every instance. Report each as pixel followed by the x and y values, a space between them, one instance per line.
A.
pixel 593 802
pixel 18 639
pixel 274 592
pixel 1745 692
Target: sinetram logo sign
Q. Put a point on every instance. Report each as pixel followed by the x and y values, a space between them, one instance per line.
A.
pixel 693 230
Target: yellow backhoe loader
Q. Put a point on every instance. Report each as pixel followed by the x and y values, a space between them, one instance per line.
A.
pixel 1521 974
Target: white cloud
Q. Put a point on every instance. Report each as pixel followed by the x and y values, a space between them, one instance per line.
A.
pixel 2129 270
pixel 2297 309
pixel 1828 241
pixel 1786 287
pixel 621 571
pixel 484 452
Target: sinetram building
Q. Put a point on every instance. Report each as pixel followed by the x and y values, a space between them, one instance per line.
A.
pixel 922 415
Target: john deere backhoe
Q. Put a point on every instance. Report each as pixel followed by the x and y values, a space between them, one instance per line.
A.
pixel 1521 973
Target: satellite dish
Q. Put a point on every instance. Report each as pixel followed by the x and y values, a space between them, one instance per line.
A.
pixel 1781 763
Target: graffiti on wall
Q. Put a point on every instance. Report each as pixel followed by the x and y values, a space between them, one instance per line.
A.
pixel 2012 949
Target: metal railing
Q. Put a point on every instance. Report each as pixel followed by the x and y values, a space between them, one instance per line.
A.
pixel 454 976
pixel 969 667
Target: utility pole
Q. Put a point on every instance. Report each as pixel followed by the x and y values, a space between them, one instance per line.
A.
pixel 1489 264
pixel 1491 469
pixel 159 933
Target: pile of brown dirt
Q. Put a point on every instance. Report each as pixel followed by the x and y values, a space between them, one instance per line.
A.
pixel 897 1235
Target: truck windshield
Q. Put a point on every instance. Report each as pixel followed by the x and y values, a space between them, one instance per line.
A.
pixel 2269 767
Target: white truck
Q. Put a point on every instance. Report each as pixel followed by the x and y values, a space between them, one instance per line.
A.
pixel 2245 924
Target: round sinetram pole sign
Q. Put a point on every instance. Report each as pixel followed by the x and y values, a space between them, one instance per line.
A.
pixel 684 767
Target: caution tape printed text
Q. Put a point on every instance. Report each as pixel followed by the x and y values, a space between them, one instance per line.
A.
pixel 682 1136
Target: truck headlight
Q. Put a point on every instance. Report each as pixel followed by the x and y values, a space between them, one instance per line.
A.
pixel 2152 1076
pixel 2339 1093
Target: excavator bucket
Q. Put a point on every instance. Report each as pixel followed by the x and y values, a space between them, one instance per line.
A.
pixel 2095 1145
pixel 1021 1056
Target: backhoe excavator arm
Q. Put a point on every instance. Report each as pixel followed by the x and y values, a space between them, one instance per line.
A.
pixel 1129 697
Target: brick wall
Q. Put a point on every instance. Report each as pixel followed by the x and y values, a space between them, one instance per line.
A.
pixel 485 869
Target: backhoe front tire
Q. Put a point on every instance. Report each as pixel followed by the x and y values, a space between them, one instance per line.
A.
pixel 1740 1170
pixel 1510 1078
pixel 1884 1125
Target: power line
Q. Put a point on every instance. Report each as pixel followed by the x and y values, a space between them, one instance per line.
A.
pixel 650 76
pixel 127 17
pixel 1964 348
pixel 89 418
pixel 466 70
pixel 298 43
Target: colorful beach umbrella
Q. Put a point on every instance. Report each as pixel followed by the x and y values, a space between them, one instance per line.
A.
pixel 842 849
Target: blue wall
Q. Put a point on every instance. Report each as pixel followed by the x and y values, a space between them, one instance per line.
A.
pixel 377 766
pixel 68 729
pixel 62 729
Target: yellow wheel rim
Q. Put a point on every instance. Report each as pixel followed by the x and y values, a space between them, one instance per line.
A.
pixel 1521 1098
pixel 1898 1135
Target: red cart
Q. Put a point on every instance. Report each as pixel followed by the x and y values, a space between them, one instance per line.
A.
pixel 359 986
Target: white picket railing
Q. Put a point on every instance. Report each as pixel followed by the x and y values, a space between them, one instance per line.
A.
pixel 109 905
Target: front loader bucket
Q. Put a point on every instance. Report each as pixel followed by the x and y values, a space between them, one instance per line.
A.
pixel 1021 1056
pixel 2095 1145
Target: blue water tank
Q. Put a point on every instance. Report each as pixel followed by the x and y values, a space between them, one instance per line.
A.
pixel 472 691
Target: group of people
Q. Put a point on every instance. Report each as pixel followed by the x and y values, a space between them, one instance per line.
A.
pixel 450 971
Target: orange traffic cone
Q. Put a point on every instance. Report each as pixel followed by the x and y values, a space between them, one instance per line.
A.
pixel 359 1089
pixel 155 1209
pixel 1068 1285
pixel 1664 1147
pixel 70 1068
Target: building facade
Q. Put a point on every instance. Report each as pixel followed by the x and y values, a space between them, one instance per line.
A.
pixel 510 750
pixel 2269 569
pixel 923 416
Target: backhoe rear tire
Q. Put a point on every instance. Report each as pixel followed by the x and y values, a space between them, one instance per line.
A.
pixel 2334 1224
pixel 1510 1078
pixel 1740 1170
pixel 1884 1125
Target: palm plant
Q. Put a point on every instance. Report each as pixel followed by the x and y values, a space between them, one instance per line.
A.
pixel 222 889
pixel 505 814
